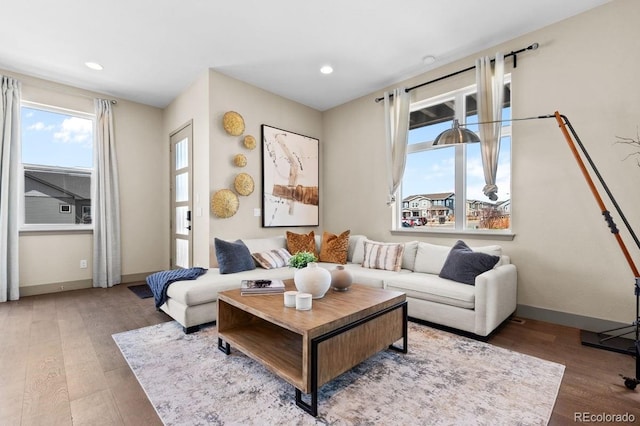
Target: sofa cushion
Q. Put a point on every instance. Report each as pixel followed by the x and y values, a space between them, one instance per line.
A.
pixel 334 248
pixel 233 256
pixel 367 276
pixel 257 245
pixel 356 243
pixel 409 257
pixel 464 265
pixel 205 288
pixel 387 256
pixel 434 289
pixel 276 258
pixel 301 242
pixel 430 258
pixel 358 251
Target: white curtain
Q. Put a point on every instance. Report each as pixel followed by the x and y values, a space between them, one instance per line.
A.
pixel 9 187
pixel 107 263
pixel 396 117
pixel 490 83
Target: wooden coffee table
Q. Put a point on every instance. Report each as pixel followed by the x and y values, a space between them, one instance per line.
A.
pixel 311 348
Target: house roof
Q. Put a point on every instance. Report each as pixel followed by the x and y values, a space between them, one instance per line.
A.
pixel 70 182
pixel 434 196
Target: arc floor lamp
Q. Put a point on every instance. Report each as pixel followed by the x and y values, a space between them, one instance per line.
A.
pixel 609 339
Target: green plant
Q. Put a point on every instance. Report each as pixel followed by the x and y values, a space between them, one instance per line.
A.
pixel 300 259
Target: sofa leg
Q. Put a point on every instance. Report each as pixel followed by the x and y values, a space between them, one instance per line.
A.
pixel 192 329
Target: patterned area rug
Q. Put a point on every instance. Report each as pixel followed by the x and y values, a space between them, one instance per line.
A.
pixel 445 379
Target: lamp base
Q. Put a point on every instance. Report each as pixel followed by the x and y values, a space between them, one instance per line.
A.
pixel 609 343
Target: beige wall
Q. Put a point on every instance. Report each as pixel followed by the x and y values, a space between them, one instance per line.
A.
pixel 586 68
pixel 192 106
pixel 257 107
pixel 52 260
pixel 205 101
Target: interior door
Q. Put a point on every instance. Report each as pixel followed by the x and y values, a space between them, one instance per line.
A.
pixel 180 192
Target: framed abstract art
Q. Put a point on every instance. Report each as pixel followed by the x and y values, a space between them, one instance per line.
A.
pixel 290 179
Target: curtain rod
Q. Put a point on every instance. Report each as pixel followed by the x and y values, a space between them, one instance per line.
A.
pixel 533 46
pixel 46 85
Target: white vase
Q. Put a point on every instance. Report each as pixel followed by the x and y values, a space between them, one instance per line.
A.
pixel 312 279
pixel 341 279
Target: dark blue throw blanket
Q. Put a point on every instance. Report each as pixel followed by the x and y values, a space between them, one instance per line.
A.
pixel 159 282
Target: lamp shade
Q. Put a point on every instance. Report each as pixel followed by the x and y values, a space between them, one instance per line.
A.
pixel 455 135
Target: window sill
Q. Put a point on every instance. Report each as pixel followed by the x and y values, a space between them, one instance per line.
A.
pixel 456 233
pixel 55 229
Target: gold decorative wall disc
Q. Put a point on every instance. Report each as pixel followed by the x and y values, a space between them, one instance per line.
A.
pixel 233 123
pixel 240 160
pixel 224 203
pixel 244 184
pixel 249 142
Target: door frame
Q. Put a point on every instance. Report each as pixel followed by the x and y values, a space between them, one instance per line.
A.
pixel 188 128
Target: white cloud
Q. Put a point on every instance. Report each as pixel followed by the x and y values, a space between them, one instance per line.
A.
pixel 40 126
pixel 75 130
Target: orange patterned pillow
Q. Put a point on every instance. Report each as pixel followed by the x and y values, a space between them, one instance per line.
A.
pixel 334 248
pixel 301 242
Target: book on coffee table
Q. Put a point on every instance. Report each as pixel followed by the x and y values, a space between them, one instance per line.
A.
pixel 248 287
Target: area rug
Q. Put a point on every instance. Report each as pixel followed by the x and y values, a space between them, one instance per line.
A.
pixel 445 379
pixel 141 290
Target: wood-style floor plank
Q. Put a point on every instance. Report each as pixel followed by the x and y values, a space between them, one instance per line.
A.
pixel 60 364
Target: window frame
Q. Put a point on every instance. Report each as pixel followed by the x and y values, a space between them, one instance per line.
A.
pixel 54 227
pixel 460 169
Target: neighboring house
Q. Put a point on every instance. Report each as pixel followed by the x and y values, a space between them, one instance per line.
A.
pixel 428 206
pixel 432 207
pixel 504 207
pixel 57 195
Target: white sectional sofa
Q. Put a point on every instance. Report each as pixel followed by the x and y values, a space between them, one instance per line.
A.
pixel 476 309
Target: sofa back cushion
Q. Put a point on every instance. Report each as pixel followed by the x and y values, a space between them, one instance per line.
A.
pixel 257 245
pixel 409 257
pixel 430 258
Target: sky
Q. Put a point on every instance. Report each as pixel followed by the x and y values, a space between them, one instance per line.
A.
pixel 56 139
pixel 432 171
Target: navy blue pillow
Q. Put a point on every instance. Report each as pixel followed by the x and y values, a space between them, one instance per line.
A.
pixel 464 265
pixel 233 256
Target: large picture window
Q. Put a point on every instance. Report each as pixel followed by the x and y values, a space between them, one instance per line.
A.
pixel 57 160
pixel 442 188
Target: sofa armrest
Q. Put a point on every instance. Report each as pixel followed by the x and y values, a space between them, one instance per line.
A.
pixel 496 297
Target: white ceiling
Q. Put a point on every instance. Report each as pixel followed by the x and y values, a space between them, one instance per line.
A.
pixel 152 50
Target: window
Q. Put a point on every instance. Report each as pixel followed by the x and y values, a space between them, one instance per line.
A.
pixel 57 161
pixel 448 181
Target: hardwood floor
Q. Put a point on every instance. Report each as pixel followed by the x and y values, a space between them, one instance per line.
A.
pixel 60 366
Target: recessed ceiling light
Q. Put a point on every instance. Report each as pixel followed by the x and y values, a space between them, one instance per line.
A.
pixel 94 66
pixel 428 60
pixel 326 69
